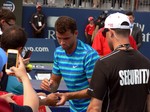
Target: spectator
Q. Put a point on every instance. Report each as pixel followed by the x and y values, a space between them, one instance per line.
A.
pixel 100 44
pixel 27 1
pixel 10 37
pixel 45 2
pixel 89 30
pixel 31 100
pixel 124 74
pixel 67 3
pixel 78 4
pixel 51 3
pixel 96 3
pixel 7 18
pixel 13 38
pixel 76 71
pixel 99 23
pixel 135 30
pixel 114 2
pixel 38 22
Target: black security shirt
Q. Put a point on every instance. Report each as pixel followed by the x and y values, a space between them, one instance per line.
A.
pixel 125 76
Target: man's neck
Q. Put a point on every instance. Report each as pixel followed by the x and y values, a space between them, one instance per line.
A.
pixel 71 50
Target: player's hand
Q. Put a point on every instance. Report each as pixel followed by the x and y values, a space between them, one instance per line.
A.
pixel 51 99
pixel 62 98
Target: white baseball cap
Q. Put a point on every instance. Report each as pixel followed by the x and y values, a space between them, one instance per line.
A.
pixel 116 20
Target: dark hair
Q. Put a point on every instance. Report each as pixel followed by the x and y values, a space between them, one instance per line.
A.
pixel 65 23
pixel 13 37
pixel 124 32
pixel 7 15
pixel 130 13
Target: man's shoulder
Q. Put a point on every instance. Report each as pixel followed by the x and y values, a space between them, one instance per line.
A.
pixel 58 49
pixel 135 27
pixel 111 56
pixel 85 47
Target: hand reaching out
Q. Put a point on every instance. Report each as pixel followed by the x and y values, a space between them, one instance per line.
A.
pixel 62 98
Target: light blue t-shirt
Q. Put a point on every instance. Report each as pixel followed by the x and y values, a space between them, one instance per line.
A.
pixel 76 69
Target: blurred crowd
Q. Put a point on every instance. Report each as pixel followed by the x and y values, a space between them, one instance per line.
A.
pixel 142 5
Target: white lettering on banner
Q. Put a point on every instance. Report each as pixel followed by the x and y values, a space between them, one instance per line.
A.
pixel 37 49
pixel 142 26
pixel 51 34
pixel 145 36
pixel 134 77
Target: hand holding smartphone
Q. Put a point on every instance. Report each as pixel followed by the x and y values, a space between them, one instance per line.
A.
pixel 12 59
pixel 28 54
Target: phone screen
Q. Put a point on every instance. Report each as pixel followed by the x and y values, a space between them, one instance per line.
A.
pixel 12 57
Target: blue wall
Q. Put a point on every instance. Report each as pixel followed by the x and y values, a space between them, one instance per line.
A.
pixel 80 15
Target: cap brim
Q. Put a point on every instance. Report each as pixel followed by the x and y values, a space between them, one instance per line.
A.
pixel 3 58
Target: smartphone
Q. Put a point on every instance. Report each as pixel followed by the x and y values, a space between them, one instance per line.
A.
pixel 12 55
pixel 27 54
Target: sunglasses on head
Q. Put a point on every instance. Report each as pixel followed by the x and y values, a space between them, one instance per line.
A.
pixel 10 24
pixel 105 31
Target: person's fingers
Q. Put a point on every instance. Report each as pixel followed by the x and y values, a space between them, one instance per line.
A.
pixel 20 60
pixel 12 101
pixel 60 102
pixel 51 82
pixel 9 94
pixel 61 99
pixel 44 84
pixel 58 94
pixel 8 97
pixel 26 61
pixel 45 87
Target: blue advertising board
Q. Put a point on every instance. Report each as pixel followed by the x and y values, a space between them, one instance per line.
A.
pixel 42 49
pixel 80 15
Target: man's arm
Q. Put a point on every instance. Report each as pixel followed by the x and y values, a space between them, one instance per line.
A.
pixel 34 27
pixel 95 32
pixel 72 95
pixel 42 27
pixel 95 105
pixel 139 36
pixel 78 94
pixel 30 97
